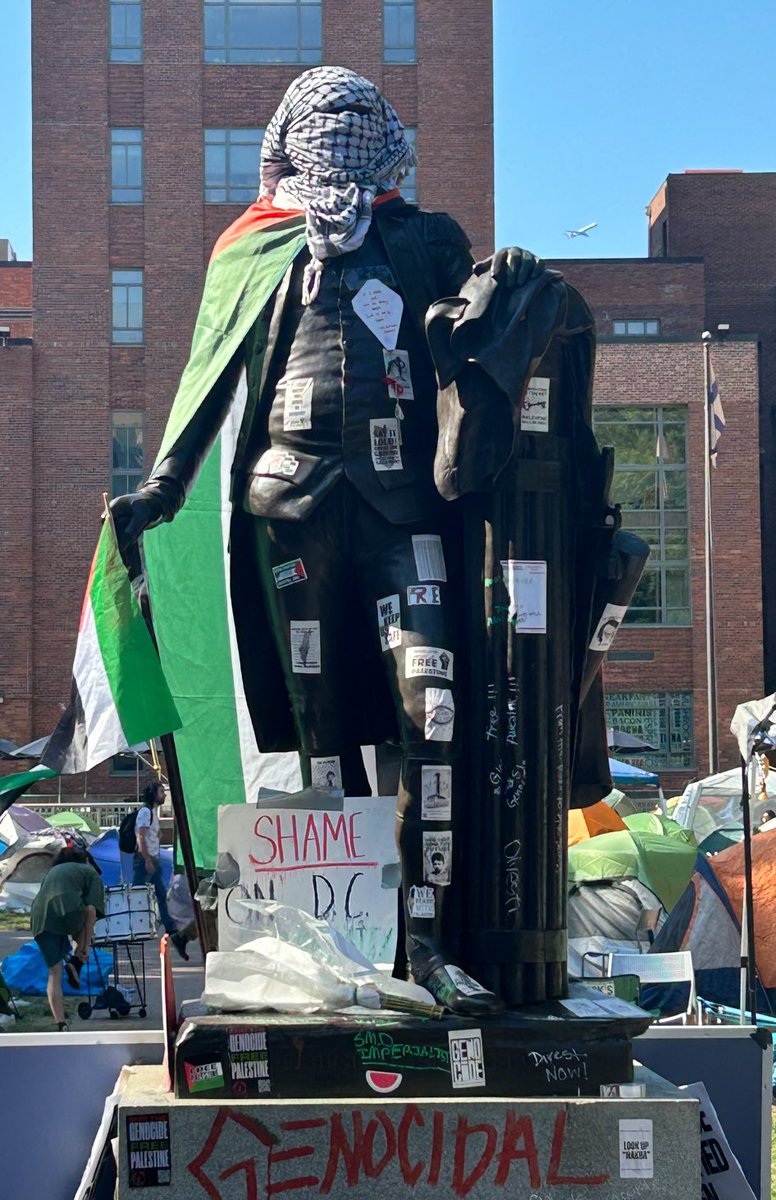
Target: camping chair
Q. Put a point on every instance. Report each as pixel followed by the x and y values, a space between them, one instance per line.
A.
pixel 659 968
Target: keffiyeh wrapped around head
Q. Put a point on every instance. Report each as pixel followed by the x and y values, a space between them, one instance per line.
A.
pixel 332 145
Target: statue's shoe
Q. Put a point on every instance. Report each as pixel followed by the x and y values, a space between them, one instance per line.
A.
pixel 451 986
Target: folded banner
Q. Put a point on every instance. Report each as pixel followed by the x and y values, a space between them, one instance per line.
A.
pixel 119 696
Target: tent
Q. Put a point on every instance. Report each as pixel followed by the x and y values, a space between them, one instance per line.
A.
pixel 663 864
pixel 105 852
pixel 654 822
pixel 626 775
pixel 589 822
pixel 79 822
pixel 19 821
pixel 715 803
pixel 609 916
pixel 23 868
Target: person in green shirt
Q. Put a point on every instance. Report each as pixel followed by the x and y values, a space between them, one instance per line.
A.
pixel 65 909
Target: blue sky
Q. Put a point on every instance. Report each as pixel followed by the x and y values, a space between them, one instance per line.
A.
pixel 594 104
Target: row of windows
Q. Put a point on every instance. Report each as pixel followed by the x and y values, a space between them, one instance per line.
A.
pixel 262 31
pixel 663 719
pixel 231 166
pixel 640 328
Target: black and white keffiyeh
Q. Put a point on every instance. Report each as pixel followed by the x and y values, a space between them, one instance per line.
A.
pixel 332 145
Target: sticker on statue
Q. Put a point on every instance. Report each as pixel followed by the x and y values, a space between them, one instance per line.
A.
pixel 463 982
pixel 429 557
pixel 397 374
pixel 428 660
pixel 278 462
pixel 606 629
pixel 380 308
pixel 421 902
pixel 467 1059
pixel 424 593
pixel 636 1149
pixel 526 583
pixel 436 790
pixel 305 647
pixel 386 444
pixel 437 857
pixel 535 411
pixel 289 573
pixel 389 622
pixel 440 715
pixel 298 405
pixel 326 772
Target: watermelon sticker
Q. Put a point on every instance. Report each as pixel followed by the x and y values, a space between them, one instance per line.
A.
pixel 383 1081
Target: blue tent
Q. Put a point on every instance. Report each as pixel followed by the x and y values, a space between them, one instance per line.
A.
pixel 625 775
pixel 105 851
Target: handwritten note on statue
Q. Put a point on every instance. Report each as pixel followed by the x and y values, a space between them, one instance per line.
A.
pixel 526 583
pixel 380 309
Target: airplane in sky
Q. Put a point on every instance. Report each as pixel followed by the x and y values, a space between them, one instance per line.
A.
pixel 583 232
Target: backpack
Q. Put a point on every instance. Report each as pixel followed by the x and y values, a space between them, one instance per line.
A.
pixel 127 838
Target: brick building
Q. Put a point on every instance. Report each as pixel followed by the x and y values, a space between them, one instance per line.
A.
pixel 649 397
pixel 147 122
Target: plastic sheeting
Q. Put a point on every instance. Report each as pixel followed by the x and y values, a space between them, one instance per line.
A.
pixel 26 972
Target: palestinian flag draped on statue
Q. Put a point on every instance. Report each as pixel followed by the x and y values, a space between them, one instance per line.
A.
pixel 119 697
pixel 188 561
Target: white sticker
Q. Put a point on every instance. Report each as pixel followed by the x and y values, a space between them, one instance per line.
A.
pixel 380 308
pixel 428 660
pixel 437 857
pixel 278 462
pixel 326 772
pixel 636 1149
pixel 526 583
pixel 464 982
pixel 429 556
pixel 389 622
pixel 436 790
pixel 397 374
pixel 535 413
pixel 288 573
pixel 440 715
pixel 467 1061
pixel 298 406
pixel 386 444
pixel 611 619
pixel 306 647
pixel 424 593
pixel 421 902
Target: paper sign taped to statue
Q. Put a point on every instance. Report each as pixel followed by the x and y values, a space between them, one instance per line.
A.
pixel 386 444
pixel 637 1160
pixel 397 374
pixel 329 861
pixel 526 583
pixel 326 772
pixel 606 629
pixel 440 715
pixel 429 556
pixel 437 857
pixel 380 308
pixel 298 406
pixel 305 647
pixel 535 413
pixel 436 789
pixel 423 593
pixel 428 660
pixel 389 622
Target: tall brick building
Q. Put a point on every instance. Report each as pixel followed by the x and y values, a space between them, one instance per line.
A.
pixel 147 122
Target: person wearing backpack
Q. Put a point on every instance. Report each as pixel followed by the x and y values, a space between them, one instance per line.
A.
pixel 147 867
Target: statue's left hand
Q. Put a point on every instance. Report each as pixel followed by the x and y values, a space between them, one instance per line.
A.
pixel 514 267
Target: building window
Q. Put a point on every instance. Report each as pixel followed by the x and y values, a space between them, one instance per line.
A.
pixel 399 31
pixel 636 328
pixel 650 482
pixel 126 31
pixel 257 31
pixel 232 165
pixel 126 166
pixel 664 719
pixel 127 288
pixel 126 452
pixel 409 185
pixel 127 764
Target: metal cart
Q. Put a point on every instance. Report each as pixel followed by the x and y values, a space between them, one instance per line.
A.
pixel 130 921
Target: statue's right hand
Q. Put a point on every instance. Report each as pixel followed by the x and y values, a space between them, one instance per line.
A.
pixel 134 513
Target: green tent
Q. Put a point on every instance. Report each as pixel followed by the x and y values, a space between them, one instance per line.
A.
pixel 652 822
pixel 663 864
pixel 74 820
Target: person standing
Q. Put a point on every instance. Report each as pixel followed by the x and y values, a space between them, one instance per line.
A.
pixel 147 867
pixel 70 901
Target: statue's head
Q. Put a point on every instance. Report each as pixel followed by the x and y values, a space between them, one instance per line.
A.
pixel 333 127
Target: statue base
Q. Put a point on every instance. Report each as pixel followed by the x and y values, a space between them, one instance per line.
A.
pixel 560 1048
pixel 389 1147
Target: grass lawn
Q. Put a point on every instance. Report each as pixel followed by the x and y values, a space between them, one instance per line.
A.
pixel 14 920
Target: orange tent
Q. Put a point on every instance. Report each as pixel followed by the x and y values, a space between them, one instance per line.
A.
pixel 729 868
pixel 585 823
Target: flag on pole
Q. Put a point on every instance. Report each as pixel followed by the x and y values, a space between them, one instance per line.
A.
pixel 716 416
pixel 14 786
pixel 119 696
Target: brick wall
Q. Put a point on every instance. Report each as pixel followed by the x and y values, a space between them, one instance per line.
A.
pixel 727 217
pixel 79 237
pixel 16 298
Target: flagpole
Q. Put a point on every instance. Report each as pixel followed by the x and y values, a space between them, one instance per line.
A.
pixel 711 662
